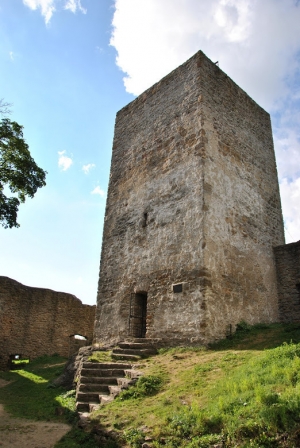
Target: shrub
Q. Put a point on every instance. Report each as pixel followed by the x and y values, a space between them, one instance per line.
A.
pixel 145 386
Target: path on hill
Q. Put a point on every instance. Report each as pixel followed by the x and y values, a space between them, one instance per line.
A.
pixel 20 432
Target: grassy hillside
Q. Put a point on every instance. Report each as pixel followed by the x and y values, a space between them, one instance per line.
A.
pixel 241 392
pixel 30 396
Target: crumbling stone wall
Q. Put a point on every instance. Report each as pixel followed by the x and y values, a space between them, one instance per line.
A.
pixel 36 321
pixel 288 277
pixel 193 200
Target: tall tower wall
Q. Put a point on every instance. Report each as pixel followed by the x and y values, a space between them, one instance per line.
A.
pixel 243 218
pixel 193 211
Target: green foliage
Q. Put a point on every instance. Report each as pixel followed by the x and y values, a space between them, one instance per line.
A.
pixel 79 439
pixel 134 437
pixel 29 396
pixel 251 407
pixel 259 336
pixel 230 398
pixel 101 356
pixel 18 172
pixel 243 327
pixel 180 350
pixel 67 401
pixel 145 386
pixel 192 425
pixel 20 361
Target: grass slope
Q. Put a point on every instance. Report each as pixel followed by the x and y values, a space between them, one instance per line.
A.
pixel 30 395
pixel 241 392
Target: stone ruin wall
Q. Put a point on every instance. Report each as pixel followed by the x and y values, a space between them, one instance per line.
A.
pixel 288 275
pixel 242 208
pixel 36 321
pixel 193 198
pixel 153 215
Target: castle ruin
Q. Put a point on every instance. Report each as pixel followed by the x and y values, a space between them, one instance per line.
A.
pixel 193 213
pixel 38 321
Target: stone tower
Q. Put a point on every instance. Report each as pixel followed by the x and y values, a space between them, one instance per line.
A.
pixel 192 214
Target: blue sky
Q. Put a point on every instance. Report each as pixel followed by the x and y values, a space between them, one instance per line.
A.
pixel 67 67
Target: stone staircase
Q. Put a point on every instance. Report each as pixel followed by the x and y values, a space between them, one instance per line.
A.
pixel 135 349
pixel 100 383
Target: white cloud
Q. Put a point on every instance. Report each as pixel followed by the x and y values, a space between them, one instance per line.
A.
pixel 290 194
pixel 86 168
pixel 74 5
pixel 48 7
pixel 287 144
pixel 257 43
pixel 234 17
pixel 98 190
pixel 64 162
pixel 254 41
pixel 11 55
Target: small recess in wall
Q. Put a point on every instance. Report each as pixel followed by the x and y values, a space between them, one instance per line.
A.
pixel 177 288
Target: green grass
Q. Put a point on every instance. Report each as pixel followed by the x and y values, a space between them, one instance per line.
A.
pixel 19 362
pixel 146 386
pixel 241 392
pixel 101 356
pixel 30 396
pixel 253 406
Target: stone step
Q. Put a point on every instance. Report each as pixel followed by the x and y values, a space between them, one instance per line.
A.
pixel 89 397
pixel 105 399
pixel 94 407
pixel 133 351
pixel 104 366
pixel 102 373
pixel 152 341
pixel 100 388
pixel 83 406
pixel 124 356
pixel 114 390
pixel 125 382
pixel 133 374
pixel 100 383
pixel 136 345
pixel 100 380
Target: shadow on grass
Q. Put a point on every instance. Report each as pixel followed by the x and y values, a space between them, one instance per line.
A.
pixel 259 337
pixel 29 395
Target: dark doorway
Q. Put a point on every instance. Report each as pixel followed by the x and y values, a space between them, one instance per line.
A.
pixel 138 314
pixel 17 362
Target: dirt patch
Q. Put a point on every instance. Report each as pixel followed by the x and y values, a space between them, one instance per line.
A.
pixel 19 432
pixel 4 382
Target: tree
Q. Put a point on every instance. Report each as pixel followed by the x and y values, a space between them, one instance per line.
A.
pixel 4 107
pixel 18 171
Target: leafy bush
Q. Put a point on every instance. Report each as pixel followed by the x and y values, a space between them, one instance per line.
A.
pixel 134 437
pixel 145 386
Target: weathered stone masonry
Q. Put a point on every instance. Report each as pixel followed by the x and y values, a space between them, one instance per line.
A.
pixel 193 201
pixel 288 278
pixel 36 321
